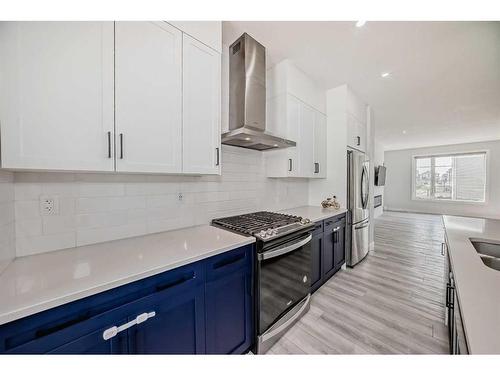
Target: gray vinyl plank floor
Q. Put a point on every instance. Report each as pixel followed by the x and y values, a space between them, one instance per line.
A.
pixel 390 303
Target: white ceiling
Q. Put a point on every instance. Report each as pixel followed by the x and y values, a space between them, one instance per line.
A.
pixel 444 86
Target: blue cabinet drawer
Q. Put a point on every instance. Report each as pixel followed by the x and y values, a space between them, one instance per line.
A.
pixel 318 228
pixel 223 264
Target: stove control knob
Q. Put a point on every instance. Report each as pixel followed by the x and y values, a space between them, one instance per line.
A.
pixel 269 232
pixel 305 221
pixel 263 234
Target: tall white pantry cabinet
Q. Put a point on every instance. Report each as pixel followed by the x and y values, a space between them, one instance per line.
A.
pixel 110 96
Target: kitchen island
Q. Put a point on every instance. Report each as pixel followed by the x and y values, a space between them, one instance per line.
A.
pixel 477 285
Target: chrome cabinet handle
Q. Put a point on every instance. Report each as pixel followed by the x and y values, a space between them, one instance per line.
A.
pixel 109 145
pixel 217 162
pixel 442 248
pixel 286 249
pixel 113 331
pixel 121 145
pixel 289 165
pixel 358 138
pixel 316 167
pixel 336 229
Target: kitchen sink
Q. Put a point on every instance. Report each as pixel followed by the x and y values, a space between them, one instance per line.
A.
pixel 489 251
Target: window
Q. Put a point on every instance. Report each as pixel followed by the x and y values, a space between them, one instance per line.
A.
pixel 455 177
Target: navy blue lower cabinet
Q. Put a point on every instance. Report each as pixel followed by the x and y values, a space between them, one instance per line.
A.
pixel 94 343
pixel 339 244
pixel 204 307
pixel 328 250
pixel 176 322
pixel 229 302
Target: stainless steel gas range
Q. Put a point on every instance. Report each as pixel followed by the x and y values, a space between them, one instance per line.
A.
pixel 282 270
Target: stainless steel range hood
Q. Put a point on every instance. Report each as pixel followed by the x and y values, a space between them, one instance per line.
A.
pixel 247 98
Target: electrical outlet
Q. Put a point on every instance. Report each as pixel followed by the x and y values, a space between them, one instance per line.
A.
pixel 49 205
pixel 181 197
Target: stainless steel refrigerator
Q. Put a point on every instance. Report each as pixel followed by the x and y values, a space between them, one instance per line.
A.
pixel 358 185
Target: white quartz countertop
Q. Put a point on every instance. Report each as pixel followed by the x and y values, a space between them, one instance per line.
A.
pixel 314 213
pixel 39 282
pixel 478 286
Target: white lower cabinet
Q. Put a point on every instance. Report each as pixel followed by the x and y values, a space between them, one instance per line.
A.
pixel 148 94
pixel 201 108
pixel 56 95
pixel 307 127
pixel 102 96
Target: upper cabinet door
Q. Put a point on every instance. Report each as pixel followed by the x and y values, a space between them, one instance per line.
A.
pixel 148 84
pixel 208 32
pixel 201 108
pixel 319 145
pixel 306 143
pixel 56 95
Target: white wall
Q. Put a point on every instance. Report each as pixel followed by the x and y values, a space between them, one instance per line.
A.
pixel 103 207
pixel 336 133
pixel 378 159
pixel 7 225
pixel 399 180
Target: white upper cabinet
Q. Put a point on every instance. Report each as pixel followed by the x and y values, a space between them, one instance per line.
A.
pixel 356 120
pixel 207 32
pixel 201 108
pixel 148 95
pixel 56 95
pixel 294 111
pixel 142 97
pixel 319 145
pixel 300 124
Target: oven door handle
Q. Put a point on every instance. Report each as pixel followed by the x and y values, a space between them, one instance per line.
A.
pixel 286 249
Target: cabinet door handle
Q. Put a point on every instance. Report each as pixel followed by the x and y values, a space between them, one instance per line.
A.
pixel 289 165
pixel 316 167
pixel 442 248
pixel 121 145
pixel 109 145
pixel 217 160
pixel 358 140
pixel 336 229
pixel 113 331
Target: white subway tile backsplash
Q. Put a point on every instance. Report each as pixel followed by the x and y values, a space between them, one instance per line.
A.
pixel 58 224
pixel 98 207
pixel 104 204
pixel 89 236
pixel 7 219
pixel 46 242
pixel 27 209
pixel 101 189
pixel 28 191
pixel 29 227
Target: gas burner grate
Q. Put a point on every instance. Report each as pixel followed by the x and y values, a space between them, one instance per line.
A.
pixel 255 222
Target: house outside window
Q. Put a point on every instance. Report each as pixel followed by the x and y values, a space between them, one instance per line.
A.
pixel 452 177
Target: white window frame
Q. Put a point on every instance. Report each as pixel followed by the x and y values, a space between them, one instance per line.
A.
pixel 452 201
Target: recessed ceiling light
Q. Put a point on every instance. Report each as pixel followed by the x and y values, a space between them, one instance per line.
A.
pixel 404 131
pixel 360 23
pixel 248 139
pixel 385 74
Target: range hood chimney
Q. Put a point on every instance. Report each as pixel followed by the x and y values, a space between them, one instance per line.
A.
pixel 247 98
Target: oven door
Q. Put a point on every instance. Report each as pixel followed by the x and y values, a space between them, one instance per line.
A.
pixel 284 278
